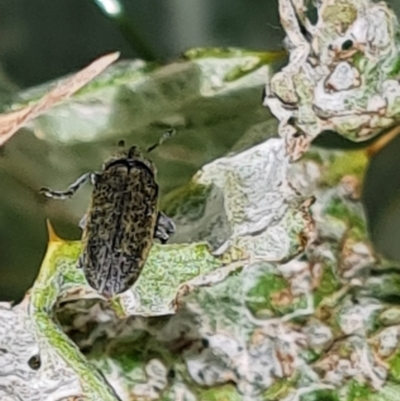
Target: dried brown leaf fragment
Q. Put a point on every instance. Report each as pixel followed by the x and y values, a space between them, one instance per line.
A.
pixel 11 122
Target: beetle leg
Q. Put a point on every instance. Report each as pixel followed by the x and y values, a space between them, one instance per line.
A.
pixel 94 177
pixel 79 264
pixel 82 221
pixel 68 193
pixel 165 227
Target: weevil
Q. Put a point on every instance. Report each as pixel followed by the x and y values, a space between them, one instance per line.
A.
pixel 122 220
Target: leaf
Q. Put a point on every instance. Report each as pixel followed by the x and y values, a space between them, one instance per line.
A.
pixel 10 123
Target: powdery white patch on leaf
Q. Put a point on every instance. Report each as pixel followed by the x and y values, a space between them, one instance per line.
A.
pixel 359 363
pixel 29 368
pixel 336 67
pixel 157 287
pixel 156 374
pixel 387 341
pixel 260 203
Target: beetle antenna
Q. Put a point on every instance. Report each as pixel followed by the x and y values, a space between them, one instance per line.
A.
pixel 166 135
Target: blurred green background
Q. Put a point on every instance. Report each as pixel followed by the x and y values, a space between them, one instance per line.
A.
pixel 42 40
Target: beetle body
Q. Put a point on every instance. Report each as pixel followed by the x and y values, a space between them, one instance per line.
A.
pixel 121 222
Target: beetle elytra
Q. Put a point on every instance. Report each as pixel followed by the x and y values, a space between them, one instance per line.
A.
pixel 121 221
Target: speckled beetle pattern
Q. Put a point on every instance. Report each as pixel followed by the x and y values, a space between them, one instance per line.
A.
pixel 121 221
